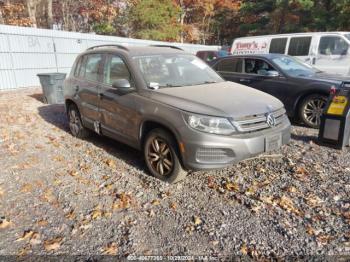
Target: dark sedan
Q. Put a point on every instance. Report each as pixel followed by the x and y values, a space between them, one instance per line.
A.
pixel 303 89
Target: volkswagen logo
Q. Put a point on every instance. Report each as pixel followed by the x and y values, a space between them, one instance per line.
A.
pixel 270 120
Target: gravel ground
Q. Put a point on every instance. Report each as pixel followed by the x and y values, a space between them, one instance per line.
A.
pixel 62 195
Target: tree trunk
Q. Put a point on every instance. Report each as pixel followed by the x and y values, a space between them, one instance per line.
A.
pixel 31 7
pixel 49 14
pixel 2 21
pixel 282 22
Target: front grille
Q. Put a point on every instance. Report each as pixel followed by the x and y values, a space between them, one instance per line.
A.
pixel 259 122
pixel 214 155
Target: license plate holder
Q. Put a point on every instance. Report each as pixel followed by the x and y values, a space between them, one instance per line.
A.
pixel 273 142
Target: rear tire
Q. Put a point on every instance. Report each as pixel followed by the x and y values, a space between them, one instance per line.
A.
pixel 311 109
pixel 162 157
pixel 75 124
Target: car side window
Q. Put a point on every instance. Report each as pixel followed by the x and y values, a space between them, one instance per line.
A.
pixel 230 65
pixel 257 66
pixel 299 46
pixel 278 45
pixel 115 69
pixel 90 67
pixel 333 45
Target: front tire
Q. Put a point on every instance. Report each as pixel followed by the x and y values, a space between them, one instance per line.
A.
pixel 162 157
pixel 311 109
pixel 75 124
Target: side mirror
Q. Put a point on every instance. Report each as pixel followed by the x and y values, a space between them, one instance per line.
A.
pixel 122 86
pixel 273 73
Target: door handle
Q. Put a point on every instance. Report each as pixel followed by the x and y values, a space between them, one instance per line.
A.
pixel 242 80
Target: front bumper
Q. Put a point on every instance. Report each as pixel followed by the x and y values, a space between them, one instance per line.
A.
pixel 204 151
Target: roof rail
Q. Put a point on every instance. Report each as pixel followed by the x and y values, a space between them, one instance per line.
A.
pixel 169 46
pixel 110 45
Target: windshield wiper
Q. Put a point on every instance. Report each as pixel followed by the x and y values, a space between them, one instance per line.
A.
pixel 170 85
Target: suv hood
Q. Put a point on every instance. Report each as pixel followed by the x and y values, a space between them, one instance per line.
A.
pixel 226 99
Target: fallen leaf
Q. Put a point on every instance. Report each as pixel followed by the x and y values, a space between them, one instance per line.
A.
pixel 155 202
pixel 42 223
pixel 70 215
pixel 232 187
pixel 267 200
pixel 197 221
pixel 26 235
pixel 301 174
pixel 111 249
pixel 73 173
pixel 323 239
pixel 26 188
pixel 35 239
pixel 244 249
pixel 123 201
pixel 211 183
pixel 310 230
pixel 287 204
pixel 5 223
pixel 23 251
pixel 173 205
pixel 313 201
pixel 53 244
pixel 96 213
pixel 111 163
pixel 346 215
pixel 1 192
pixel 291 189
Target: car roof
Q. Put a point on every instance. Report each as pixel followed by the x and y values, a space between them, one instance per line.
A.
pixel 266 56
pixel 138 50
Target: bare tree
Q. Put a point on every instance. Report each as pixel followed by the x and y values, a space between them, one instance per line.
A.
pixel 32 7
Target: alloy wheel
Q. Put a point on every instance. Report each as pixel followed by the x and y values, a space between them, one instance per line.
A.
pixel 160 157
pixel 74 122
pixel 313 110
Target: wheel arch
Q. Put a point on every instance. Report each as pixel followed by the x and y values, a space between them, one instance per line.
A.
pixel 150 124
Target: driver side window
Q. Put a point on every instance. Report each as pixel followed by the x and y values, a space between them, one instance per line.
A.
pixel 257 66
pixel 115 69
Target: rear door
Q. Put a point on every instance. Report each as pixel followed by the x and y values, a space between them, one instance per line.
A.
pixel 118 113
pixel 231 69
pixel 87 85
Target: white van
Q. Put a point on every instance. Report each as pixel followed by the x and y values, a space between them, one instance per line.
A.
pixel 327 51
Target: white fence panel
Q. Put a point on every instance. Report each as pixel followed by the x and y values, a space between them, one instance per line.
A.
pixel 26 52
pixel 4 47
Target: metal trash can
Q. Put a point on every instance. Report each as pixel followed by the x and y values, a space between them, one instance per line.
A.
pixel 52 86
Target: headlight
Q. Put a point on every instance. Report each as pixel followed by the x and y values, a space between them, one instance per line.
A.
pixel 208 124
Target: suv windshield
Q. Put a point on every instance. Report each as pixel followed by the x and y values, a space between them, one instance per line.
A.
pixel 347 36
pixel 293 67
pixel 174 70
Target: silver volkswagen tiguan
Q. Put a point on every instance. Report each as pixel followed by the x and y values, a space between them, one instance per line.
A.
pixel 173 107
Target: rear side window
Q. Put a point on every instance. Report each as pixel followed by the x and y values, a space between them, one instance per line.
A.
pixel 333 45
pixel 299 46
pixel 90 67
pixel 278 45
pixel 230 65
